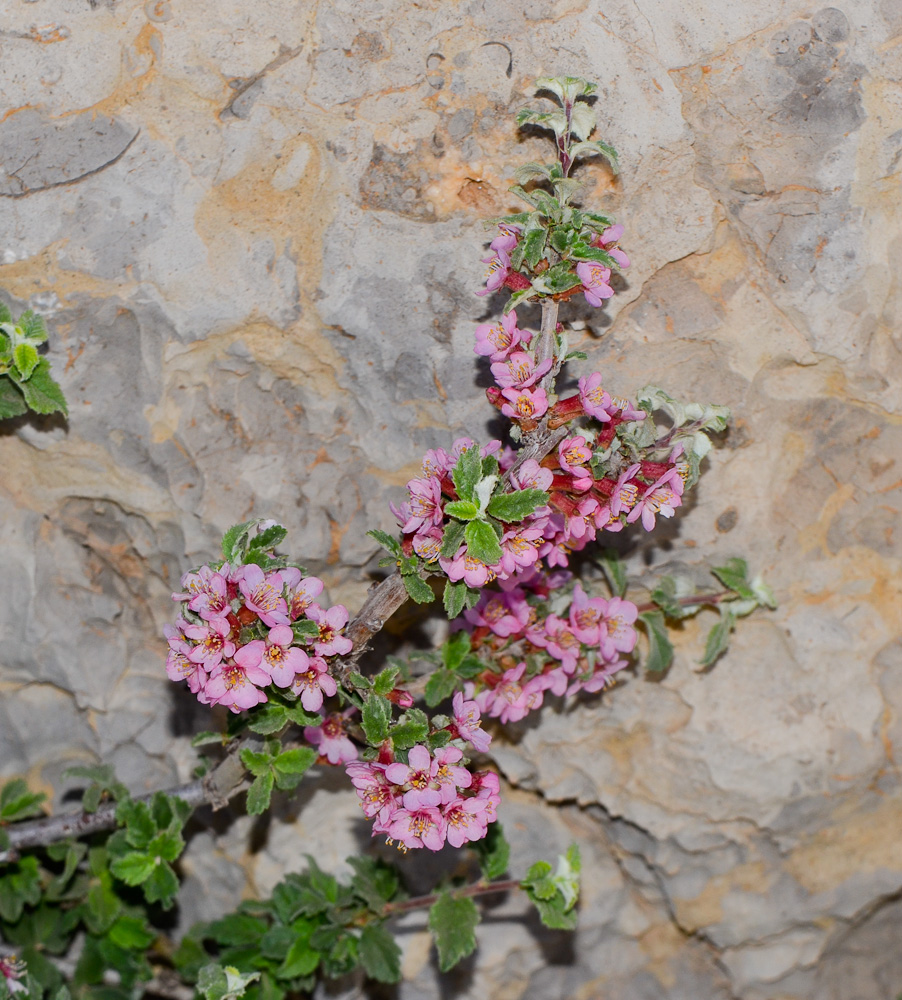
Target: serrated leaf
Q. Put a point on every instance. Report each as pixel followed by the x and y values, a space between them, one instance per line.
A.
pixel 533 244
pixel 269 538
pixel 260 793
pixel 25 358
pixel 532 171
pixel 32 327
pixel 453 538
pixel 511 507
pixel 582 251
pixel 140 827
pixel 554 120
pixel 559 278
pixel 42 393
pixel 133 868
pixel 482 542
pixel 268 719
pixel 719 638
pixel 12 402
pixel 234 541
pixel 375 718
pixel 454 598
pixel 301 959
pixel 660 648
pixel 237 929
pixel 256 762
pixel 453 924
pixel 388 542
pixel 205 738
pixel 467 473
pixel 418 589
pixel 493 852
pixel 523 295
pixel 385 680
pixel 763 593
pixel 411 728
pixel 464 510
pixel 304 629
pixel 379 954
pixel 566 876
pixel 374 881
pixel 664 595
pixel 734 577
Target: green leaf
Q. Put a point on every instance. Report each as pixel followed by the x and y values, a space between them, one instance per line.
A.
pixel 133 868
pixel 385 680
pixel 12 402
pixel 554 120
pixel 379 954
pixel 375 719
pixel 660 648
pixel 453 538
pixel 32 327
pixel 388 542
pixel 734 576
pixel 763 593
pixel 138 821
pixel 301 959
pixel 582 120
pixel 533 245
pixel 467 473
pixel 559 278
pixel 131 933
pixel 298 760
pixel 510 507
pixel 374 882
pixel 268 719
pixel 582 251
pixel 615 570
pixel 418 589
pixel 20 886
pixel 441 685
pixel 41 393
pixel 256 762
pixel 409 730
pixel 482 542
pixel 454 598
pixel 304 629
pixel 259 794
pixel 16 802
pixel 102 905
pixel 719 637
pixel 234 542
pixel 25 358
pixel 5 315
pixel 455 648
pixel 237 929
pixel 566 877
pixel 453 924
pixel 523 295
pixel 493 852
pixel 664 595
pixel 269 538
pixel 218 983
pixel 464 510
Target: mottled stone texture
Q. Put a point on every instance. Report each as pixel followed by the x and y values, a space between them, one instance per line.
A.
pixel 254 231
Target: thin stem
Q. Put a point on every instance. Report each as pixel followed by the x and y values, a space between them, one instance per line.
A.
pixel 688 602
pixel 477 889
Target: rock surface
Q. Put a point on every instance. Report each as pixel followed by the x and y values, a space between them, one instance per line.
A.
pixel 255 235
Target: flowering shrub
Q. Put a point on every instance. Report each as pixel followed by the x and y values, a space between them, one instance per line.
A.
pixel 495 528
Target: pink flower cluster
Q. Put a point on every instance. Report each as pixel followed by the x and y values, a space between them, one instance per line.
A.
pixel 429 800
pixel 581 652
pixel 235 636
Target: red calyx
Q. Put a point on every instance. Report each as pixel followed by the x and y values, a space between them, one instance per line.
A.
pixel 654 470
pixel 516 282
pixel 245 615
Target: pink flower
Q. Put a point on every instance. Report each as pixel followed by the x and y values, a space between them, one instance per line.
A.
pixel 466 820
pixel 625 492
pixel 263 595
pixel 498 269
pixel 573 455
pixel 238 684
pixel 180 668
pixel 561 643
pixel 425 505
pixel 585 616
pixel 331 622
pixel 507 239
pixel 467 721
pixel 212 642
pixel 511 701
pixel 608 241
pixel 594 399
pixel 532 476
pixel 498 612
pixel 299 592
pixel 473 572
pixel 416 777
pixel 313 683
pixel 662 497
pixel 595 279
pixel 447 775
pixel 331 739
pixel 519 371
pixel 498 339
pixel 519 548
pixel 280 659
pixel 524 404
pixel 436 462
pixel 423 827
pixel 618 634
pixel 376 793
pixel 625 409
pixel 206 592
